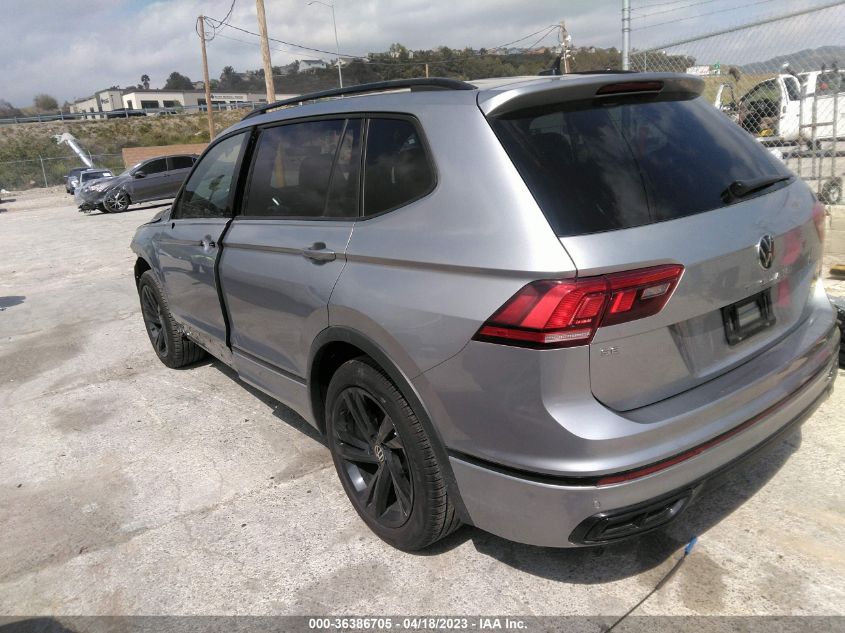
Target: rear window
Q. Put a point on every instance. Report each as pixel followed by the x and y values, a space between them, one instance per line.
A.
pixel 595 169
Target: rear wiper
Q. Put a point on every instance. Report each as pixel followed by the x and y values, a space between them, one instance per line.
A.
pixel 741 188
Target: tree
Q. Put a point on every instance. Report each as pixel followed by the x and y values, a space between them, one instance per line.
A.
pixel 145 81
pixel 7 109
pixel 45 103
pixel 178 81
pixel 230 79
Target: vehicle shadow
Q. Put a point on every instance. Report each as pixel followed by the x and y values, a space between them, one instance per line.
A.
pixel 138 207
pixel 607 563
pixel 34 625
pixel 284 413
pixel 10 301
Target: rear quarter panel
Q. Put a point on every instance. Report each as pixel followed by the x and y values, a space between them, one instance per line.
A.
pixel 420 280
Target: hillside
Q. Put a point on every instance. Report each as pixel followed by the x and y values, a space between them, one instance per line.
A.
pixel 22 145
pixel 800 61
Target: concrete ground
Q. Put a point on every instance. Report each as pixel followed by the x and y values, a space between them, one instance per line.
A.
pixel 129 488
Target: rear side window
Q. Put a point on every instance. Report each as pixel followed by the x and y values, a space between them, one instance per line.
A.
pixel 397 170
pixel 292 171
pixel 154 166
pixel 595 169
pixel 181 162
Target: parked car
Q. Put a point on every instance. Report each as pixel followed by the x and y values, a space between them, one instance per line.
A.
pixel 121 113
pixel 554 308
pixel 89 176
pixel 153 179
pixel 72 178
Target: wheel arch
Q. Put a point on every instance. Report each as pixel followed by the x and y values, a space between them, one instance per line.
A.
pixel 141 266
pixel 333 347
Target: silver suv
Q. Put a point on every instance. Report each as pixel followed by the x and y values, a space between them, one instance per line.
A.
pixel 553 308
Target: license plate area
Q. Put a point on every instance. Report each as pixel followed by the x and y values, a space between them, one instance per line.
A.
pixel 746 318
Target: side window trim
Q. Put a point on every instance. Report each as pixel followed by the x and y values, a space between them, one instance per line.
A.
pixel 258 130
pixel 231 202
pixel 435 179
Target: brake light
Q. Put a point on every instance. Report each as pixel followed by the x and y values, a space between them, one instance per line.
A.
pixel 564 313
pixel 819 219
pixel 630 86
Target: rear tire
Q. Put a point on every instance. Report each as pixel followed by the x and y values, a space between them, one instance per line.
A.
pixel 173 349
pixel 384 458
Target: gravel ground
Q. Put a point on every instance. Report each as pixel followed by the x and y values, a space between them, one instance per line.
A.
pixel 128 488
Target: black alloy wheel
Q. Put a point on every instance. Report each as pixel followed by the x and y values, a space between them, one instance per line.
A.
pixel 373 457
pixel 385 458
pixel 151 310
pixel 172 347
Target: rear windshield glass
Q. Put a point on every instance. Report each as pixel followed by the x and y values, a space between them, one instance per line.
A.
pixel 597 169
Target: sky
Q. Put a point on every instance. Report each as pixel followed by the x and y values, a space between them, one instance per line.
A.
pixel 71 49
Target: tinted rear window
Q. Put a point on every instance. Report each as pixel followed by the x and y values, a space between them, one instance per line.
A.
pixel 595 169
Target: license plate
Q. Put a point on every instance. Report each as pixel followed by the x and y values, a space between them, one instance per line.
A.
pixel 748 317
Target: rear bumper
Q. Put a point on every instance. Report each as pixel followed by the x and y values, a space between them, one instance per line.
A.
pixel 538 510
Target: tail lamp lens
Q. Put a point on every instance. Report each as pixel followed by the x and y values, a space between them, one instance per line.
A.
pixel 564 313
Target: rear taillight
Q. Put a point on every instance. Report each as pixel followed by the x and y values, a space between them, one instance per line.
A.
pixel 819 219
pixel 565 313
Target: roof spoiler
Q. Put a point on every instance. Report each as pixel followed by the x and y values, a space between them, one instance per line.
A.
pixel 571 87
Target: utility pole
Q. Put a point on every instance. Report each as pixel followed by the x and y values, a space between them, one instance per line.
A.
pixel 206 81
pixel 265 51
pixel 426 70
pixel 626 33
pixel 565 41
pixel 336 42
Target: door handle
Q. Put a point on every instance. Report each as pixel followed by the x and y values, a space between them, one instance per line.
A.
pixel 319 253
pixel 207 243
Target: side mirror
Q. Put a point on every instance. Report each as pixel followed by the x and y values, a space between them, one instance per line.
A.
pixel 139 174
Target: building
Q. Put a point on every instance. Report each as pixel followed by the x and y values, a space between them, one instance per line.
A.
pixel 311 64
pixel 102 101
pixel 150 99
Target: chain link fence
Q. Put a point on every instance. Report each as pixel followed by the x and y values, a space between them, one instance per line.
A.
pixel 791 99
pixel 49 171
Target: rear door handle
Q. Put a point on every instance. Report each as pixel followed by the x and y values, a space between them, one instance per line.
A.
pixel 319 253
pixel 207 243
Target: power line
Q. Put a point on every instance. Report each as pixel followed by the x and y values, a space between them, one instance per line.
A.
pixel 701 15
pixel 544 36
pixel 656 4
pixel 682 7
pixel 546 31
pixel 278 41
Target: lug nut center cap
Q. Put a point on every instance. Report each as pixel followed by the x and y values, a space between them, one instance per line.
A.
pixel 378 451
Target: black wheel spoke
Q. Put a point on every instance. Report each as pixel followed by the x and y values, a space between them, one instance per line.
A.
pixel 401 484
pixel 378 490
pixel 356 455
pixel 395 443
pixel 351 440
pixel 358 411
pixel 384 429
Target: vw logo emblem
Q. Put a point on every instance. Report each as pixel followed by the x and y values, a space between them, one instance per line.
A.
pixel 379 452
pixel 766 251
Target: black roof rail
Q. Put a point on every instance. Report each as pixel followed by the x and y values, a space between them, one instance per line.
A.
pixel 423 83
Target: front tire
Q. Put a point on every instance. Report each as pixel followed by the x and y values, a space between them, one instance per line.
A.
pixel 385 460
pixel 116 201
pixel 172 348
